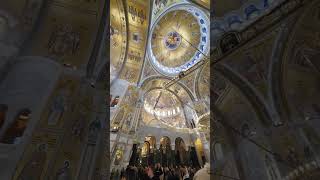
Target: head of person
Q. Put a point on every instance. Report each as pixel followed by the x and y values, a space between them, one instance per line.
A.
pixel 177 172
pixel 150 171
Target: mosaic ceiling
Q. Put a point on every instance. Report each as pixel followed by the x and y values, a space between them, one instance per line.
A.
pixel 179 39
pixel 118 35
pixel 162 103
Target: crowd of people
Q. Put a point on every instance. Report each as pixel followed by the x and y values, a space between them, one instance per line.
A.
pixel 158 172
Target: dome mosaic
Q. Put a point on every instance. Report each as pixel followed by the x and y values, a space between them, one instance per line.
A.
pixel 179 39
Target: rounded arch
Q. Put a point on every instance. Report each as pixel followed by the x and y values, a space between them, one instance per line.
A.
pixel 293 66
pixel 146 81
pixel 180 151
pixel 179 144
pixel 152 141
pixel 156 88
pixel 165 142
pixel 256 102
pixel 197 81
pixel 125 32
pixel 276 94
pixel 145 149
pixel 205 120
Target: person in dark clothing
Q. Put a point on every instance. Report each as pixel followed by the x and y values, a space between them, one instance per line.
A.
pixel 131 173
pixel 141 174
pixel 158 171
pixel 174 174
pixel 151 174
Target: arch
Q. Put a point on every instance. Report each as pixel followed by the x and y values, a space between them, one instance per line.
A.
pixel 165 151
pixel 287 48
pixel 179 143
pixel 152 141
pixel 146 81
pixel 16 130
pixel 275 90
pixel 180 151
pixel 205 120
pixel 158 88
pixel 145 149
pixel 258 104
pixel 180 104
pixel 197 81
pixel 165 143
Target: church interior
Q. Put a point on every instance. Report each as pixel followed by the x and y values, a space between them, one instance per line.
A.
pixel 159 89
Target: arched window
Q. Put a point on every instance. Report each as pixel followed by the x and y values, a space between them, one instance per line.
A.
pixel 14 133
pixel 3 114
pixel 152 141
pixel 145 149
pixel 165 144
pixel 180 151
